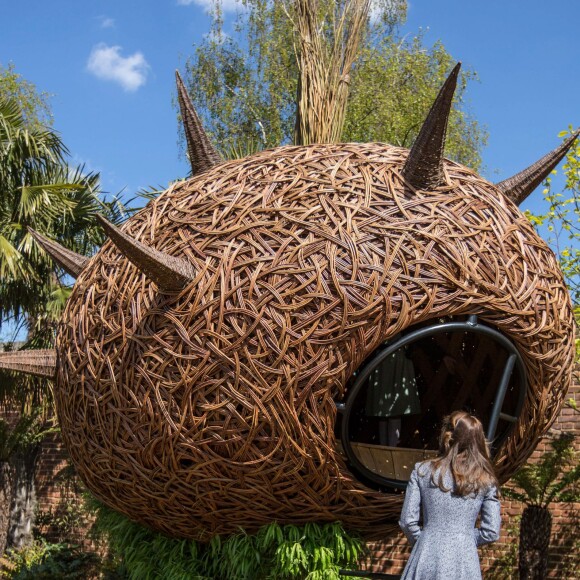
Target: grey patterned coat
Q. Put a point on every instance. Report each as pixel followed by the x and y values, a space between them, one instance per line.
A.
pixel 445 547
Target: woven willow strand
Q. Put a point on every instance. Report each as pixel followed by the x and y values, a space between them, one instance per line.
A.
pixel 211 409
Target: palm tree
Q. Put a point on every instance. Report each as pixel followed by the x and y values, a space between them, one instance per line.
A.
pixel 37 190
pixel 554 478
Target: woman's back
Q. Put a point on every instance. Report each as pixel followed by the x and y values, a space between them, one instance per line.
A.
pixel 439 514
pixel 447 540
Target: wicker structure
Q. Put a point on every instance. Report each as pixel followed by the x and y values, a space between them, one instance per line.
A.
pixel 205 400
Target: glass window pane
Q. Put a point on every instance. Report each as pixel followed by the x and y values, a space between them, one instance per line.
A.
pixel 394 419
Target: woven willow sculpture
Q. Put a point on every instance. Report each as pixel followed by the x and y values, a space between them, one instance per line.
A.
pixel 204 347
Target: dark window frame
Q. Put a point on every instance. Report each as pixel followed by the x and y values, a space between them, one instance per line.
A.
pixel 514 360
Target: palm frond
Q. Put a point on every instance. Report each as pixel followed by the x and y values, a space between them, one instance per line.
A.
pixel 567 489
pixel 552 478
pixel 12 263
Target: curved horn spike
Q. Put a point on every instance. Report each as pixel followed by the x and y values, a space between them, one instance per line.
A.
pixel 202 154
pixel 519 186
pixel 71 262
pixel 168 272
pixel 40 363
pixel 424 166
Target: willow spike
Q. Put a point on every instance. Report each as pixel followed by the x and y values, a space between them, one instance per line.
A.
pixel 519 186
pixel 202 154
pixel 40 363
pixel 168 272
pixel 424 166
pixel 71 262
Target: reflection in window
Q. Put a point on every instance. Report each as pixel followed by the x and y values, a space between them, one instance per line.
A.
pixel 394 419
pixel 400 398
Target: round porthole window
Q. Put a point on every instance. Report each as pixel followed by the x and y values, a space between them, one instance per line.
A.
pixel 396 400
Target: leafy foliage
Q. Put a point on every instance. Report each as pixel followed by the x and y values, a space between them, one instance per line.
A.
pixel 313 552
pixel 39 189
pixel 244 82
pixel 29 429
pixel 555 477
pixel 43 561
pixel 34 103
pixel 393 87
pixel 561 219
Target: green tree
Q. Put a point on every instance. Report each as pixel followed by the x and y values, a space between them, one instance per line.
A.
pixel 393 87
pixel 561 219
pixel 33 103
pixel 37 189
pixel 245 83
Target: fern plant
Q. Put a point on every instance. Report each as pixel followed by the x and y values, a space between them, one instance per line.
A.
pixel 282 552
pixel 554 478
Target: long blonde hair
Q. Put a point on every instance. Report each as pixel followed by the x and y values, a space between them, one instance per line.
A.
pixel 464 452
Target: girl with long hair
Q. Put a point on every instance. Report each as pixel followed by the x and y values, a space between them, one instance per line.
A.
pixel 451 491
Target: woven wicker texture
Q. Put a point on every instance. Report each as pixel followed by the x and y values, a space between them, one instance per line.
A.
pixel 71 262
pixel 40 363
pixel 212 409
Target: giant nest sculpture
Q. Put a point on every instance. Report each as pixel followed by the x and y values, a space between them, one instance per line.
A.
pixel 207 349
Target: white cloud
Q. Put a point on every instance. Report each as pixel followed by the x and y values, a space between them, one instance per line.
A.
pixel 227 5
pixel 106 63
pixel 107 22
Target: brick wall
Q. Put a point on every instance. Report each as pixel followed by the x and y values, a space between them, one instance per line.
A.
pixel 57 492
pixel 499 560
pixel 59 495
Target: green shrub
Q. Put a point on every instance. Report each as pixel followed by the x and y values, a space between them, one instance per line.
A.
pixel 42 561
pixel 311 552
pixel 14 561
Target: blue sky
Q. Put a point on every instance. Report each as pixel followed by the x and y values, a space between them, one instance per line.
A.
pixel 110 66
